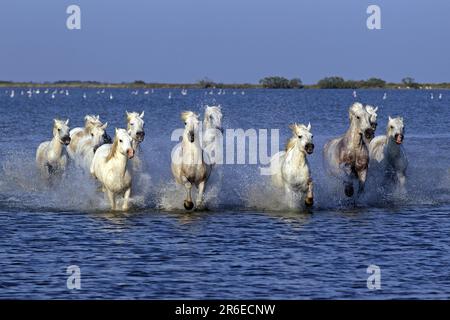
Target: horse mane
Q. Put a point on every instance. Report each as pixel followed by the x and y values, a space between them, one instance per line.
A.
pixel 187 114
pixel 91 121
pixel 290 144
pixel 113 149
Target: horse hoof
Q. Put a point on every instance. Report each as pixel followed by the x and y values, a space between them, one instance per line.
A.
pixel 188 205
pixel 349 191
pixel 309 202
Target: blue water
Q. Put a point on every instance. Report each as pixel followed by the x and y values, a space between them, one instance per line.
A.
pixel 246 245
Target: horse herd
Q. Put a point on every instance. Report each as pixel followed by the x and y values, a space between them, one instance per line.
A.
pixel 114 162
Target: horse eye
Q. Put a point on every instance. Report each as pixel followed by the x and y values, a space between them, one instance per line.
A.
pixel 357 118
pixel 132 124
pixel 120 140
pixel 92 134
pixel 300 137
pixel 392 127
pixel 59 129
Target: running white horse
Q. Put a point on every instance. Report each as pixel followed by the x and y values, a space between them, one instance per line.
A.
pixel 110 167
pixel 387 154
pixel 135 128
pixel 347 157
pixel 76 134
pixel 212 132
pixel 190 164
pixel 290 169
pixel 89 144
pixel 51 156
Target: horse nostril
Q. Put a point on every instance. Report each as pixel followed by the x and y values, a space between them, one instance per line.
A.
pixel 369 133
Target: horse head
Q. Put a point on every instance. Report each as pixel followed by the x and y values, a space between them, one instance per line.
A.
pixel 191 125
pixel 99 136
pixel 396 129
pixel 213 118
pixel 123 143
pixel 135 125
pixel 61 131
pixel 373 116
pixel 360 120
pixel 302 138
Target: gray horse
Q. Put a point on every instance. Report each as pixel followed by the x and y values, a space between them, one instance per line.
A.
pixel 347 157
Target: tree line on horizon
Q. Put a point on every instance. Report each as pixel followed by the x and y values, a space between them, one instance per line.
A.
pixel 272 82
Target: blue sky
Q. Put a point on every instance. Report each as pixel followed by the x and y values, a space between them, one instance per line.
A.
pixel 225 40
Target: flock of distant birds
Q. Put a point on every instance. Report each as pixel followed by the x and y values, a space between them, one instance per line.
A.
pixel 65 92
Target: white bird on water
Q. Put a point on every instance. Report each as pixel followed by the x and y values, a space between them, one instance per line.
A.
pixel 12 94
pixel 84 96
pixel 111 96
pixel 354 94
pixel 440 96
pixel 385 96
pixel 431 96
pixel 243 92
pixel 146 92
pixel 170 95
pixel 67 92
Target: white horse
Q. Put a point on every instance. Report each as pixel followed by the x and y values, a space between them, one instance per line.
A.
pixel 51 156
pixel 135 128
pixel 212 130
pixel 290 169
pixel 347 157
pixel 88 145
pixel 387 154
pixel 110 167
pixel 190 164
pixel 76 134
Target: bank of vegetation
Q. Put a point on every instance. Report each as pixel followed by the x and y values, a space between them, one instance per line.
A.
pixel 272 82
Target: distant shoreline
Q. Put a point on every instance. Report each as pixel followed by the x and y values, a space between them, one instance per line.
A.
pixel 139 85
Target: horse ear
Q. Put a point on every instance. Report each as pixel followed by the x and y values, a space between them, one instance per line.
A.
pixel 375 110
pixel 98 117
pixel 55 121
pixel 390 118
pixel 104 126
pixel 309 126
pixel 116 131
pixel 67 122
pixel 142 114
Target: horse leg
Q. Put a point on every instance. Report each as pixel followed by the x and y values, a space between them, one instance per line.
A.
pixel 201 190
pixel 126 198
pixel 348 181
pixel 112 199
pixel 188 204
pixel 401 182
pixel 362 175
pixel 309 201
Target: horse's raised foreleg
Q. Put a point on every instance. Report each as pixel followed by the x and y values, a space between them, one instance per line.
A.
pixel 188 204
pixel 126 199
pixel 201 189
